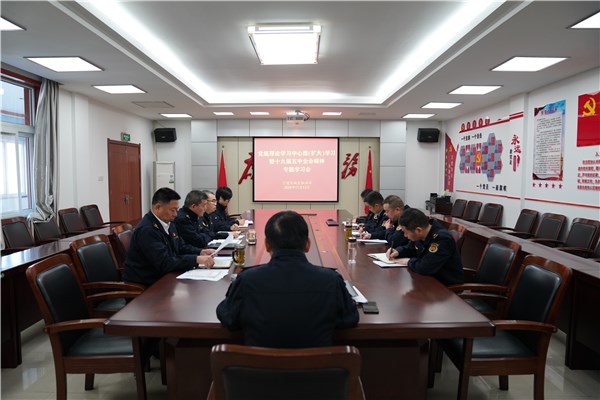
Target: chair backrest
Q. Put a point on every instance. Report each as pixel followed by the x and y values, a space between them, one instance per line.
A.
pixel 58 294
pixel 536 295
pixel 472 210
pixel 498 262
pixel 46 230
pixel 457 232
pixel 91 215
pixel 583 233
pixel 121 239
pixel 244 372
pixel 526 220
pixel 94 259
pixel 71 221
pixel 550 226
pixel 491 214
pixel 16 233
pixel 458 208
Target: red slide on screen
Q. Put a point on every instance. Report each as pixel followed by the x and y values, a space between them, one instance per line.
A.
pixel 296 169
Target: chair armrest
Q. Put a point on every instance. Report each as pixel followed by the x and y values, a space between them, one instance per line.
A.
pixel 482 296
pixel 75 325
pixel 548 242
pixel 578 251
pixel 131 287
pixel 522 235
pixel 522 325
pixel 503 228
pixel 117 294
pixel 479 287
pixel 75 233
pixel 488 224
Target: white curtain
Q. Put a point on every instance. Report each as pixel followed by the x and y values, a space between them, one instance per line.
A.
pixel 45 153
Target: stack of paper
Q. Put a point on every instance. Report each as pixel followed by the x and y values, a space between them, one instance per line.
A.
pixel 203 275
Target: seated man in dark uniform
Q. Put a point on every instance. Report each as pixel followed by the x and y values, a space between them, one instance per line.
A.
pixel 220 219
pixel 288 302
pixel 363 218
pixel 431 249
pixel 190 218
pixel 156 247
pixel 377 216
pixel 393 207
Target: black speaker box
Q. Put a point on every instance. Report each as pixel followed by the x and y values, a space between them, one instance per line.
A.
pixel 428 135
pixel 165 135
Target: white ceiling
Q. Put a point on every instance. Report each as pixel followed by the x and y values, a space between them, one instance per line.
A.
pixel 362 45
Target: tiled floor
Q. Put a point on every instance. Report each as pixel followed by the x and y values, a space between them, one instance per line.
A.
pixel 34 379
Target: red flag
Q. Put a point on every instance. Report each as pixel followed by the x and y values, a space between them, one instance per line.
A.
pixel 588 119
pixel 369 180
pixel 222 173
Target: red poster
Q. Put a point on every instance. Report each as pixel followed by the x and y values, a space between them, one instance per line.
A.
pixel 450 162
pixel 588 119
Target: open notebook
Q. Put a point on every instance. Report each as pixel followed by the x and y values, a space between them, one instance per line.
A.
pixel 220 263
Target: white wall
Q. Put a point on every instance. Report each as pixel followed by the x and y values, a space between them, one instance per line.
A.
pixel 83 129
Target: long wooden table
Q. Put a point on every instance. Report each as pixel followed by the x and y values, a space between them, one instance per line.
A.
pixel 393 343
pixel 19 309
pixel 578 317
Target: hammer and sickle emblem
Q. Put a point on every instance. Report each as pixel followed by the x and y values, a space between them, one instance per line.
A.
pixel 589 108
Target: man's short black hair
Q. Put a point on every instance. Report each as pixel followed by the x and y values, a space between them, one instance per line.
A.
pixel 394 201
pixel 364 193
pixel 412 219
pixel 286 230
pixel 164 196
pixel 224 193
pixel 374 198
pixel 194 197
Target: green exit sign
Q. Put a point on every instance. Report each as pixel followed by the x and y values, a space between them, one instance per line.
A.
pixel 125 137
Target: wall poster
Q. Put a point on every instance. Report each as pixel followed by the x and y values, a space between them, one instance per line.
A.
pixel 548 141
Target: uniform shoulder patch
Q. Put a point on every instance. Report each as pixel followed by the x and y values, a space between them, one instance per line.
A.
pixel 398 228
pixel 433 247
pixel 435 235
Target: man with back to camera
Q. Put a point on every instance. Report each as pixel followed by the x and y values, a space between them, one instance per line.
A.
pixel 376 216
pixel 431 249
pixel 393 206
pixel 288 302
pixel 220 219
pixel 156 248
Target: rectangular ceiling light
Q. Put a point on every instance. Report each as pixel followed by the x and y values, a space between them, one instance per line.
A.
pixel 482 89
pixel 119 89
pixel 64 64
pixel 418 116
pixel 592 22
pixel 445 106
pixel 222 113
pixel 176 115
pixel 286 44
pixel 528 64
pixel 259 113
pixel 6 25
pixel 333 113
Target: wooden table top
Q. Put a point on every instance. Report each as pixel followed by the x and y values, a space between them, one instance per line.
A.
pixel 411 306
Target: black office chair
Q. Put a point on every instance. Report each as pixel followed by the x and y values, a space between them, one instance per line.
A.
pixel 257 373
pixel 549 228
pixel 491 214
pixel 523 334
pixel 92 217
pixel 47 230
pixel 580 240
pixel 79 345
pixel 472 211
pixel 458 208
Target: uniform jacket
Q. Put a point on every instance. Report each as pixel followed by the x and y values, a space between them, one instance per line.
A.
pixel 288 303
pixel 374 221
pixel 437 256
pixel 394 235
pixel 220 220
pixel 192 229
pixel 152 253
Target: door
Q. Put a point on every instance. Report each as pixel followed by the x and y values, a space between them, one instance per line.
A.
pixel 124 181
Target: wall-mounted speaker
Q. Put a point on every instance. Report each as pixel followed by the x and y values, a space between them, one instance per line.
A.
pixel 428 135
pixel 165 135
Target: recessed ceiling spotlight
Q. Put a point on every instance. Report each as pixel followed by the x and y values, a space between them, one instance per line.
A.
pixel 259 113
pixel 441 105
pixel 222 113
pixel 475 89
pixel 592 22
pixel 176 115
pixel 65 64
pixel 119 89
pixel 528 64
pixel 418 116
pixel 332 113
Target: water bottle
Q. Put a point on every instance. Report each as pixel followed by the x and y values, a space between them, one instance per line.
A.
pixel 352 250
pixel 248 215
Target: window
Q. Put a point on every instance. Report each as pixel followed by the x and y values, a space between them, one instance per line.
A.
pixel 16 143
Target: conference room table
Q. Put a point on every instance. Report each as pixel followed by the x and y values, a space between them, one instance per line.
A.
pixel 393 344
